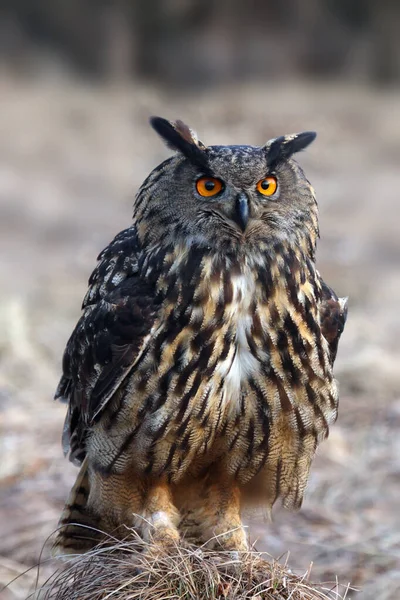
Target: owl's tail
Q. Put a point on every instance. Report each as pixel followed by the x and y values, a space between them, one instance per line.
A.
pixel 78 529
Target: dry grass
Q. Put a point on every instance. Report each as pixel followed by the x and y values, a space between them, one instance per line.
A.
pixel 136 571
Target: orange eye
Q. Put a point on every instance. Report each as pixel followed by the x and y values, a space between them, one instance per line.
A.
pixel 267 186
pixel 209 186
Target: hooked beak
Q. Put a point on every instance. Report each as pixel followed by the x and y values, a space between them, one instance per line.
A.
pixel 242 211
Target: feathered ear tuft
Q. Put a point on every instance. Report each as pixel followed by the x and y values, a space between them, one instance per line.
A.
pixel 283 147
pixel 179 136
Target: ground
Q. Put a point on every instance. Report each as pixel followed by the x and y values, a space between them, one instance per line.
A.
pixel 71 158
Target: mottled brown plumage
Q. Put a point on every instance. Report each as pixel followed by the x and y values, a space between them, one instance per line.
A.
pixel 199 377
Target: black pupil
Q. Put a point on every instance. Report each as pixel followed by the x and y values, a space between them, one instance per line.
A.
pixel 265 184
pixel 209 185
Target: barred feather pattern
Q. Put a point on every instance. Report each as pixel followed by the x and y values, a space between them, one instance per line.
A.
pixel 237 370
pixel 204 349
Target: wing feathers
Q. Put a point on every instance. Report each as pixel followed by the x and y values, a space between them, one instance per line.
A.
pixel 108 340
pixel 117 262
pixel 333 315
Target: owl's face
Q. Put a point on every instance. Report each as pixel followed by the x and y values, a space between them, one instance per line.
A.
pixel 227 197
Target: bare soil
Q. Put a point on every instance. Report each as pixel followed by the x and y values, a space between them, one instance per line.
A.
pixel 71 158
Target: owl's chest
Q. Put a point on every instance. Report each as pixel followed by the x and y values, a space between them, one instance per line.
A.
pixel 241 360
pixel 225 334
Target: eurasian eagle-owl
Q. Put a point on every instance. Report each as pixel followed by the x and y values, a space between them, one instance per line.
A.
pixel 199 377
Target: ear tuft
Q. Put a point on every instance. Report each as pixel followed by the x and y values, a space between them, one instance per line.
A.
pixel 283 147
pixel 178 136
pixel 188 134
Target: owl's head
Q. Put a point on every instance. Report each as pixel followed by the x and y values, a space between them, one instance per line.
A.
pixel 227 197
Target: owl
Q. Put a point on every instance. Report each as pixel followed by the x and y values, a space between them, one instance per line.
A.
pixel 199 378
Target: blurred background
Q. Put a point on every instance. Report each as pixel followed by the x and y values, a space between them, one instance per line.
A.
pixel 78 82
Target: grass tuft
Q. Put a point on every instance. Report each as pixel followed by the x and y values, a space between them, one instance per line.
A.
pixel 137 571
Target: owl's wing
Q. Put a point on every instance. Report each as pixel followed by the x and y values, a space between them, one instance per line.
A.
pixel 117 262
pixel 119 311
pixel 333 315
